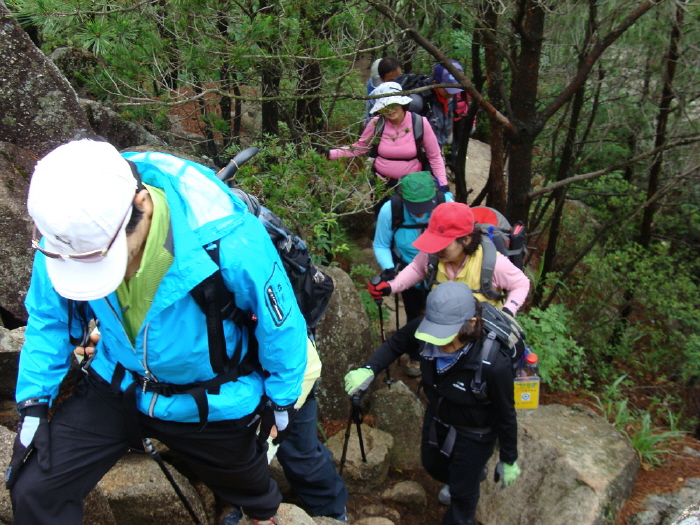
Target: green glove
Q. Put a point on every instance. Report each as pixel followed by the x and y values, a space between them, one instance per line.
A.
pixel 357 381
pixel 508 472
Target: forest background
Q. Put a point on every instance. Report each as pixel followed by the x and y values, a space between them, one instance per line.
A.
pixel 590 109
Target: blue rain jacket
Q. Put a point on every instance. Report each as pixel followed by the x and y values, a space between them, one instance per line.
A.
pixel 172 344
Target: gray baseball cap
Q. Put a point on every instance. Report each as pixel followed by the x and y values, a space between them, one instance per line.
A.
pixel 448 307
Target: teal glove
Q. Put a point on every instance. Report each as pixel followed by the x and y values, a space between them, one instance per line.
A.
pixel 508 472
pixel 357 381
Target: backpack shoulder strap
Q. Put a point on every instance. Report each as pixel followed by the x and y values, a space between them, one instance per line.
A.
pixel 431 273
pixel 417 121
pixel 376 136
pixel 396 211
pixel 488 265
pixel 218 303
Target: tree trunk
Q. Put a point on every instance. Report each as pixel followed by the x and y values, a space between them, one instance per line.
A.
pixel 667 97
pixel 530 25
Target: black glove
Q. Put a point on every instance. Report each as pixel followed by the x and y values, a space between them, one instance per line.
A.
pixel 32 434
pixel 506 311
pixel 282 417
pixel 323 151
pixel 389 274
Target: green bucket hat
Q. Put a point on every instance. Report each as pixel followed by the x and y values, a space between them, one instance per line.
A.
pixel 418 192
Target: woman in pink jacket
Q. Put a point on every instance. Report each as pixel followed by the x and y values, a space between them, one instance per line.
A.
pixel 452 235
pixel 397 154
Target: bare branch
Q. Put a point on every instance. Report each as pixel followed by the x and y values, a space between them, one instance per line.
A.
pixel 582 74
pixel 440 56
pixel 594 174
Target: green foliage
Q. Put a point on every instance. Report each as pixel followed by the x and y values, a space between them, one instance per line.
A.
pixel 562 362
pixel 636 425
pixel 638 309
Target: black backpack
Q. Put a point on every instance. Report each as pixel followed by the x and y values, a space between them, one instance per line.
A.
pixel 501 333
pixel 312 288
pixel 421 102
pixel 509 240
pixel 397 222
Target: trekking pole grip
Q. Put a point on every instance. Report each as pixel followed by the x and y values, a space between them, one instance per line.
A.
pixel 374 281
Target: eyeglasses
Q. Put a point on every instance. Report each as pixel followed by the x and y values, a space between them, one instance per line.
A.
pixel 388 109
pixel 87 256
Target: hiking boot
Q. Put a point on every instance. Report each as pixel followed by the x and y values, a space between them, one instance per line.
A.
pixel 413 369
pixel 235 516
pixel 444 495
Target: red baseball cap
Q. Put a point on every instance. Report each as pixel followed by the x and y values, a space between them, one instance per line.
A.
pixel 449 221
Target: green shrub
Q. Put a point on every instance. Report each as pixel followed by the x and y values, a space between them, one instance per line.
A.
pixel 562 362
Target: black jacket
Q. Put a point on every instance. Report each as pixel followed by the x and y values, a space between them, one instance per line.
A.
pixel 459 406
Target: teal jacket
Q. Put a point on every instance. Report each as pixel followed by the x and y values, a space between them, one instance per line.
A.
pixel 172 345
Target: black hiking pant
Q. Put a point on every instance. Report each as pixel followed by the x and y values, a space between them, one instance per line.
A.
pixel 462 470
pixel 414 302
pixel 88 436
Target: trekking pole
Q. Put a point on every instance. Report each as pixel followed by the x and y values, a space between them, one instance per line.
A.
pixel 357 416
pixel 158 459
pixel 375 281
pixel 345 444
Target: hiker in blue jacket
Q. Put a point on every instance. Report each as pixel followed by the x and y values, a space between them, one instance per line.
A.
pixel 126 243
pixel 394 237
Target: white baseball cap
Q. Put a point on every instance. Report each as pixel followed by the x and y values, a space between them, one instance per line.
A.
pixel 80 198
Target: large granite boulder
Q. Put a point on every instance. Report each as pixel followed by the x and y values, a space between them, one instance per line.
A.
pixel 77 65
pixel 362 477
pixel 39 109
pixel 119 132
pixel 576 468
pixel 344 343
pixel 16 166
pixel 139 493
pixel 399 412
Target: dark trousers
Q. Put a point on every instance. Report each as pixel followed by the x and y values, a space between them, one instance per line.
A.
pixel 309 467
pixel 88 437
pixel 462 470
pixel 414 302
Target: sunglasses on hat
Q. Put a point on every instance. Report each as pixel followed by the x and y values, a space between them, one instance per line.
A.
pixel 87 256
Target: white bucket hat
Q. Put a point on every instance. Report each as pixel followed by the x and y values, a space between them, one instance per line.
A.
pixel 80 199
pixel 374 73
pixel 385 89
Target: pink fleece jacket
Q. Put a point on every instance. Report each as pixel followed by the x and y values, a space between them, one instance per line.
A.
pixel 506 276
pixel 398 143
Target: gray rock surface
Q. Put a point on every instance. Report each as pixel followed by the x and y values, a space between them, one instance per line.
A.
pixel 11 342
pixel 344 343
pixel 119 132
pixel 140 494
pixel 666 509
pixel 39 109
pixel 398 412
pixel 77 65
pixel 409 494
pixel 362 478
pixel 576 468
pixel 378 511
pixel 16 167
pixel 7 438
pixel 375 521
pixel 690 516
